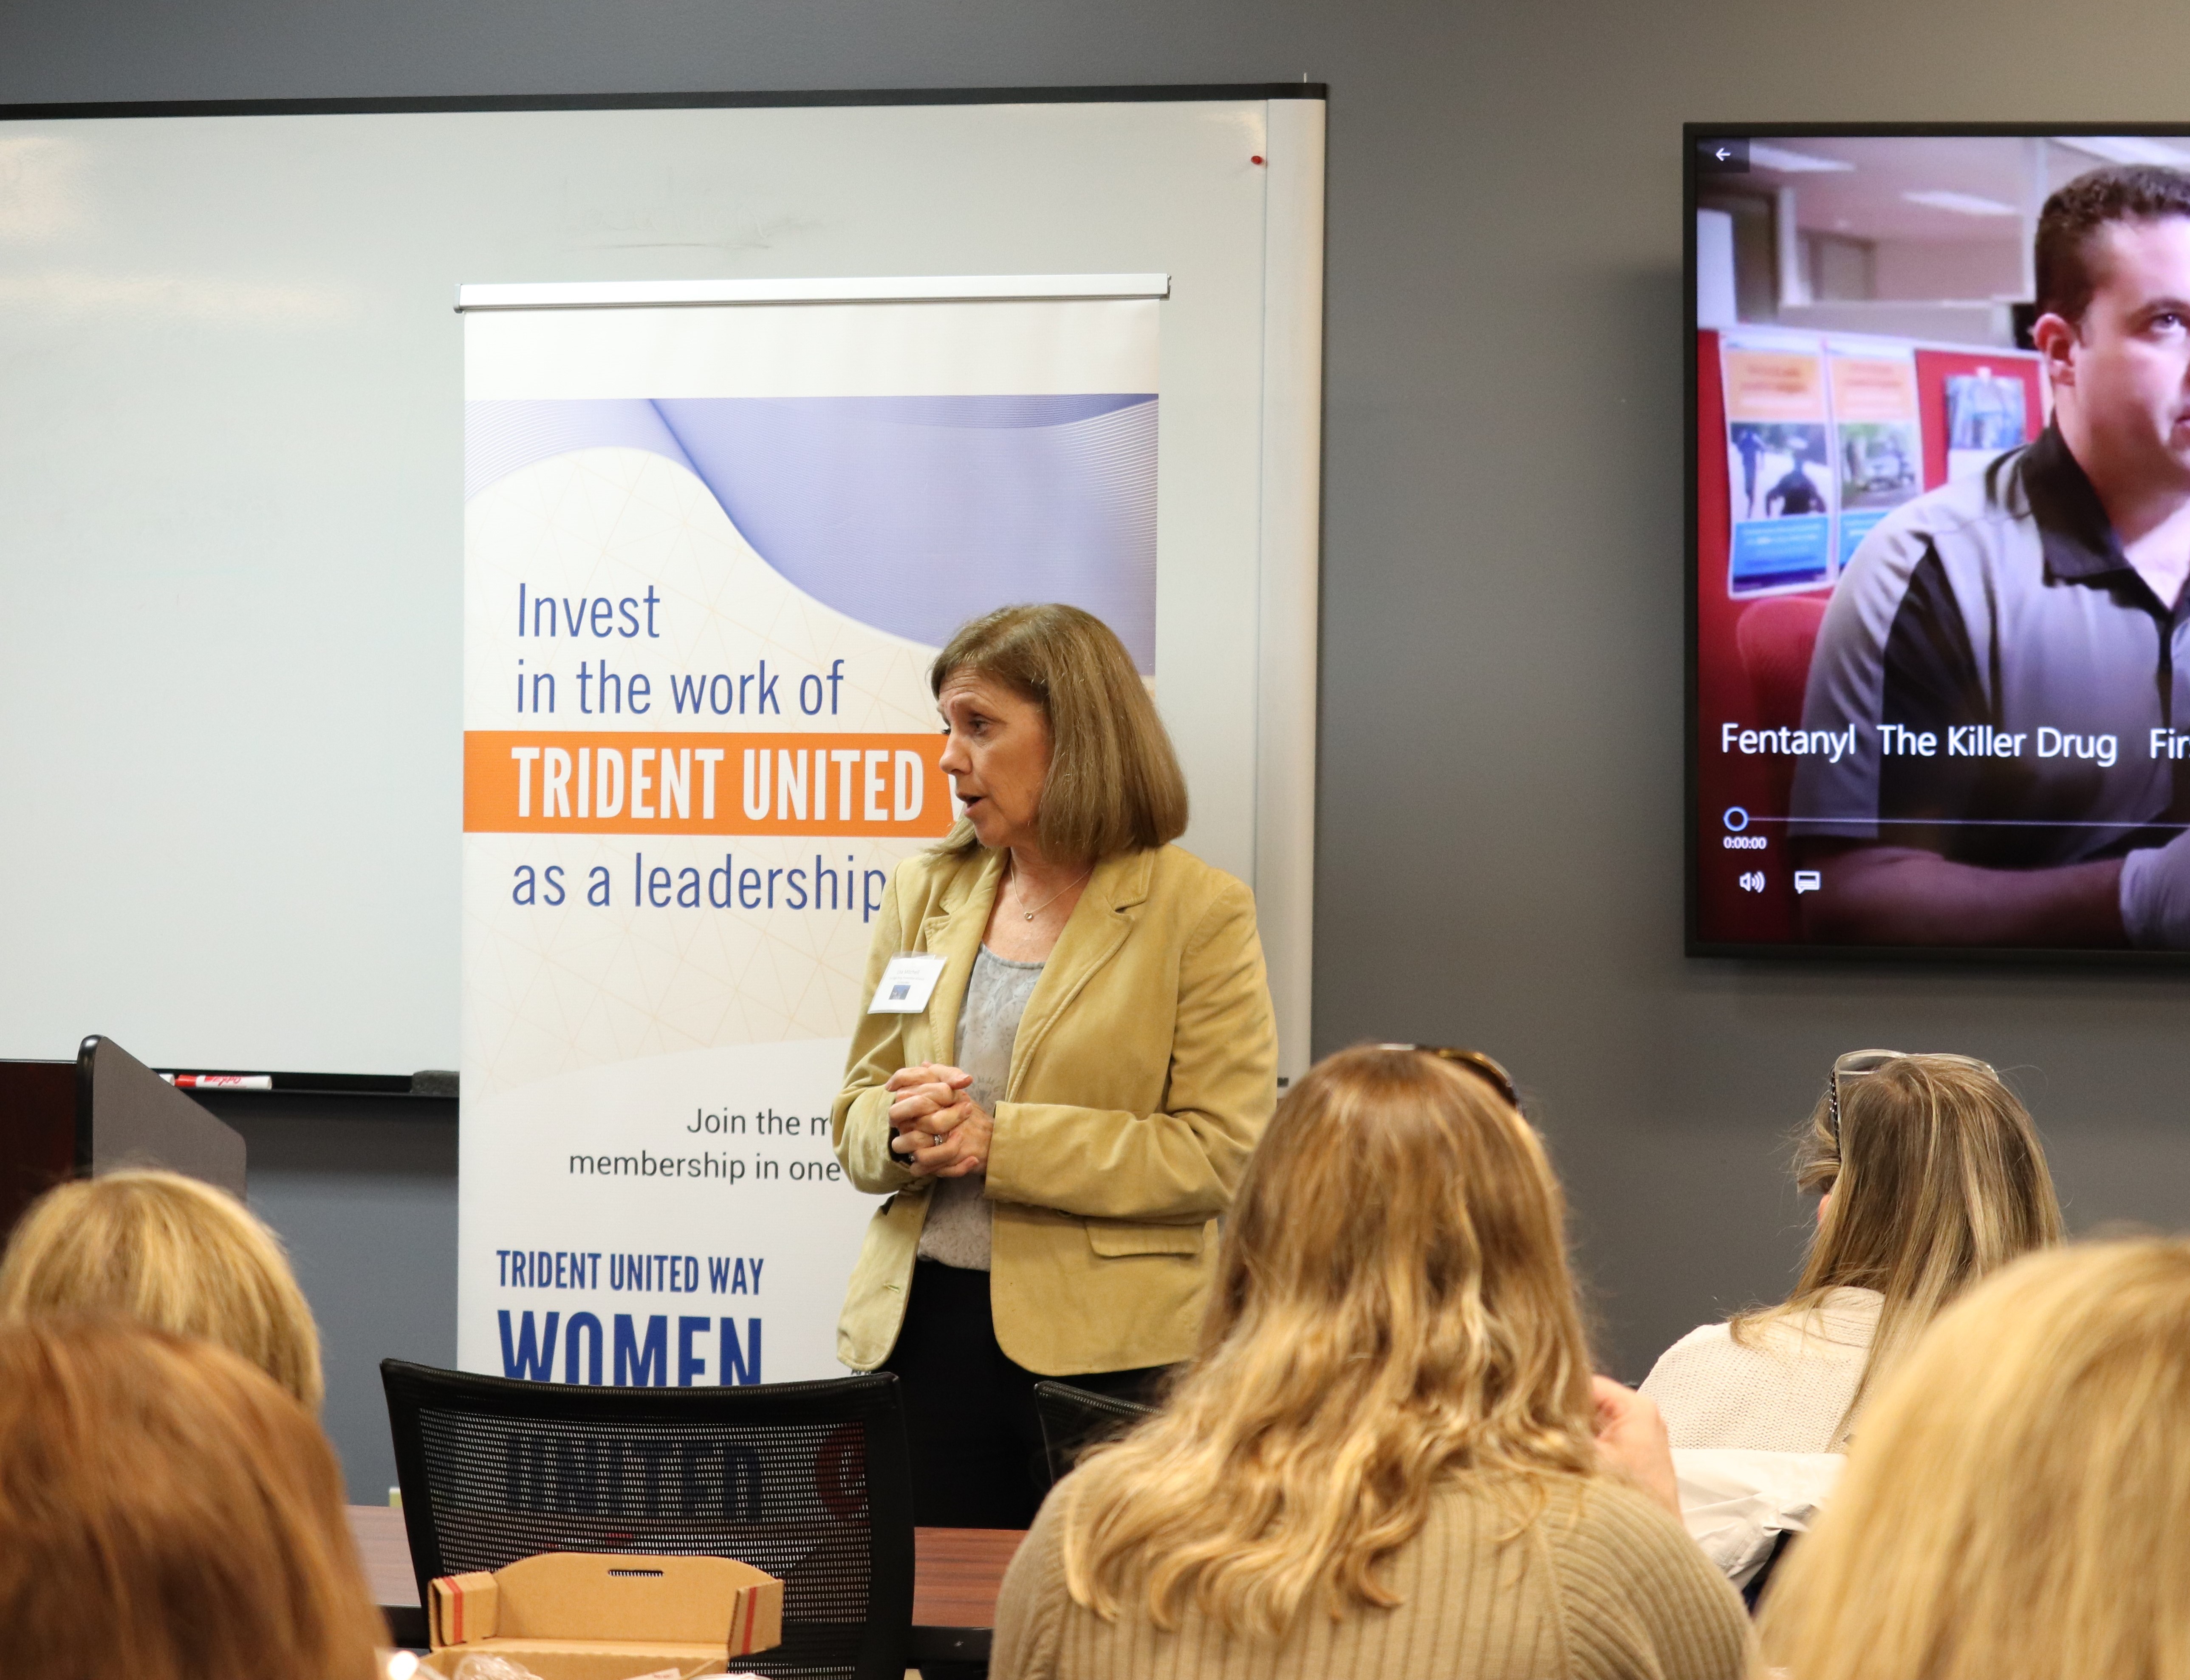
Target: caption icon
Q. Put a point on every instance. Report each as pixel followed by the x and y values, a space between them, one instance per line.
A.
pixel 1808 881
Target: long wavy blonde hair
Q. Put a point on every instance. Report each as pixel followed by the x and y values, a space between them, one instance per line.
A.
pixel 2018 1506
pixel 1392 1308
pixel 1938 1179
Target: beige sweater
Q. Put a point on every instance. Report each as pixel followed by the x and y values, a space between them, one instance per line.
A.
pixel 1604 1585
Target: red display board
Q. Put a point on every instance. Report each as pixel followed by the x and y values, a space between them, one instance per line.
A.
pixel 1752 656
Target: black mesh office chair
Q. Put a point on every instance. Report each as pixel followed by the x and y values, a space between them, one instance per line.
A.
pixel 810 1481
pixel 1074 1419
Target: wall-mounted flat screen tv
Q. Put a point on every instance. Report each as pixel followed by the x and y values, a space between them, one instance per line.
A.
pixel 1940 533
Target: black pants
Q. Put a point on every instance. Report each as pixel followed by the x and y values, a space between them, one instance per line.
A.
pixel 977 1453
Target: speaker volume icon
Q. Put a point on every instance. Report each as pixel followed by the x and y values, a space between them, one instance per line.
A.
pixel 1753 881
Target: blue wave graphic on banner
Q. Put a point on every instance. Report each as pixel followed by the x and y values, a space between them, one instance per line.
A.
pixel 912 515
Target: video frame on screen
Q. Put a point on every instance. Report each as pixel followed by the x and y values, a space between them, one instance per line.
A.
pixel 1941 687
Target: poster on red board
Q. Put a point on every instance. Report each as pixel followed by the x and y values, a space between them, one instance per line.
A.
pixel 1988 414
pixel 1878 443
pixel 1778 460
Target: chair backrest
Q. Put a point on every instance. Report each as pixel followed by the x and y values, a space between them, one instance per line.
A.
pixel 810 1481
pixel 1776 639
pixel 1074 1419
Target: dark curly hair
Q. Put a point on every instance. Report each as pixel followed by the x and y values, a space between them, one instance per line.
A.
pixel 2124 192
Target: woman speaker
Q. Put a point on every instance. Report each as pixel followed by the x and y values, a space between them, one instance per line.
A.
pixel 1058 1127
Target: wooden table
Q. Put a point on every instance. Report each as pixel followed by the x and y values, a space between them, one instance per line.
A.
pixel 957 1575
pixel 385 1549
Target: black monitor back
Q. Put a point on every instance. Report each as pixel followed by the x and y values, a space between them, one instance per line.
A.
pixel 127 1115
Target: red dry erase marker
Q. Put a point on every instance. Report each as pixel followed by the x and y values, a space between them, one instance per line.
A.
pixel 220 1082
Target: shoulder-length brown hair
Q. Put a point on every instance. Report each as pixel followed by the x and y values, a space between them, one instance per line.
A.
pixel 1938 1179
pixel 1114 783
pixel 2017 1503
pixel 1392 1306
pixel 167 1513
pixel 173 1251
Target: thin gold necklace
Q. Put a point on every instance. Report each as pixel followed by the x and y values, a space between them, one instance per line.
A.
pixel 1051 900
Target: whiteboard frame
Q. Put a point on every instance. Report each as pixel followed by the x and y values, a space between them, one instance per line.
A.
pixel 977 288
pixel 1287 640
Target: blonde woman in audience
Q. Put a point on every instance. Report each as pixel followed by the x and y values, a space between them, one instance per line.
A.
pixel 2017 1506
pixel 167 1513
pixel 1931 1177
pixel 1388 1456
pixel 170 1250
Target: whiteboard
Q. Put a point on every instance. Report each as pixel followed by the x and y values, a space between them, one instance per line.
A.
pixel 231 478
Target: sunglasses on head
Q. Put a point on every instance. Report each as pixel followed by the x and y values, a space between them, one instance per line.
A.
pixel 1856 1063
pixel 1474 1061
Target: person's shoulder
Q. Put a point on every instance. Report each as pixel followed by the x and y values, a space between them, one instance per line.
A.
pixel 1613 1533
pixel 1034 1598
pixel 1045 1537
pixel 1718 1334
pixel 1982 509
pixel 1848 1315
pixel 1176 873
pixel 1710 1372
pixel 1842 1322
pixel 1992 497
pixel 1621 1559
pixel 1606 1505
pixel 1561 1502
pixel 1211 908
pixel 1620 1540
pixel 1834 1328
pixel 1706 1346
pixel 1849 1300
pixel 1036 1571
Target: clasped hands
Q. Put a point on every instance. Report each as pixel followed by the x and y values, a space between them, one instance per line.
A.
pixel 941 1132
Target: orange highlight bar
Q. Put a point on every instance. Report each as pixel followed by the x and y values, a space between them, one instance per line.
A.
pixel 545 781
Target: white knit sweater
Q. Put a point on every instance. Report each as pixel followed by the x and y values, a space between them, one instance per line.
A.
pixel 1786 1393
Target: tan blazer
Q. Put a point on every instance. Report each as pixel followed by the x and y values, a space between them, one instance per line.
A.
pixel 1144 1070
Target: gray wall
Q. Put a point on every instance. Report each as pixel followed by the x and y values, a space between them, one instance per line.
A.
pixel 1500 861
pixel 364 1191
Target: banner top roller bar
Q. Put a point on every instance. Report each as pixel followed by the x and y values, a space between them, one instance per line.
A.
pixel 934 289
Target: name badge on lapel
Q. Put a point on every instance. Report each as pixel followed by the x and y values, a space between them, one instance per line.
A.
pixel 907 984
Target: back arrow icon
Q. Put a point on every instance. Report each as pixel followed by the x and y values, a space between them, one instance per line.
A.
pixel 1723 154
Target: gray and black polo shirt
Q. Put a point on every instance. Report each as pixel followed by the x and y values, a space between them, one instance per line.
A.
pixel 2023 697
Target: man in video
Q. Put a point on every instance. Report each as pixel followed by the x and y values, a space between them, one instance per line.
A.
pixel 2013 644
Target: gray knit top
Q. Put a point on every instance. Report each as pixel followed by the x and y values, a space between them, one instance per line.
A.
pixel 957 1228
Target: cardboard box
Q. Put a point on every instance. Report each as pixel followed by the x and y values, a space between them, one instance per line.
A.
pixel 580 1615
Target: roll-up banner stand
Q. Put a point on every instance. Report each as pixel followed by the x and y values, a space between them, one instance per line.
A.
pixel 714 536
